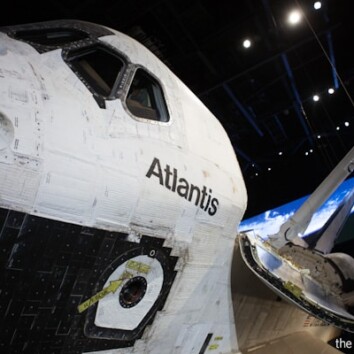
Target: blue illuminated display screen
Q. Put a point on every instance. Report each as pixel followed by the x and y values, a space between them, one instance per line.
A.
pixel 269 222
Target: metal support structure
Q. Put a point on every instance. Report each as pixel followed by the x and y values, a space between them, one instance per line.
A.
pixel 280 125
pixel 334 225
pixel 298 223
pixel 271 19
pixel 248 115
pixel 333 59
pixel 241 153
pixel 259 64
pixel 297 102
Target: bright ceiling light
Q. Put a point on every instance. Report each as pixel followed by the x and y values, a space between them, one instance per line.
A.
pixel 306 153
pixel 346 124
pixel 294 17
pixel 316 98
pixel 331 91
pixel 269 169
pixel 338 128
pixel 318 136
pixel 317 5
pixel 246 43
pixel 280 153
pixel 311 150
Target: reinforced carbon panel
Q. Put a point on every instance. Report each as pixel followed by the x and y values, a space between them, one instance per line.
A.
pixel 48 268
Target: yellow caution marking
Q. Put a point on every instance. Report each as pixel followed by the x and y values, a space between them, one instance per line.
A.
pixel 219 338
pixel 138 266
pixel 294 289
pixel 111 288
pixel 213 347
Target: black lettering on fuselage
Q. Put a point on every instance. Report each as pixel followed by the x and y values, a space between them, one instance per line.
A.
pixel 168 174
pixel 194 190
pixel 168 177
pixel 183 188
pixel 155 163
pixel 214 207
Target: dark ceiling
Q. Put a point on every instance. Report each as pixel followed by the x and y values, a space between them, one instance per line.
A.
pixel 262 95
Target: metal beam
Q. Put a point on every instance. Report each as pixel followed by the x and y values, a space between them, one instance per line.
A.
pixel 333 60
pixel 250 162
pixel 247 113
pixel 280 125
pixel 267 60
pixel 297 104
pixel 271 20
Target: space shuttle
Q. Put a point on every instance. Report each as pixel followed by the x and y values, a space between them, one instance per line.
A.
pixel 120 199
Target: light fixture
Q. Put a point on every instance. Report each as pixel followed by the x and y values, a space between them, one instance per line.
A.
pixel 311 150
pixel 338 128
pixel 316 98
pixel 280 153
pixel 331 91
pixel 317 5
pixel 256 174
pixel 306 153
pixel 269 169
pixel 294 17
pixel 346 124
pixel 246 43
pixel 318 136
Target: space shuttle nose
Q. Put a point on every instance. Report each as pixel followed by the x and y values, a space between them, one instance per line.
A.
pixel 118 210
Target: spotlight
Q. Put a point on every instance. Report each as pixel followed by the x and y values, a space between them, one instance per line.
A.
pixel 338 128
pixel 316 98
pixel 346 124
pixel 294 17
pixel 318 136
pixel 306 153
pixel 269 169
pixel 331 91
pixel 317 5
pixel 280 153
pixel 311 150
pixel 246 43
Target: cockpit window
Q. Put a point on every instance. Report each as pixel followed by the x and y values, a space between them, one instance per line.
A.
pixel 51 36
pixel 98 67
pixel 145 98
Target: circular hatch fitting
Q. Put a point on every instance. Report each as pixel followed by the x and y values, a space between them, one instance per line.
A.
pixel 132 292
